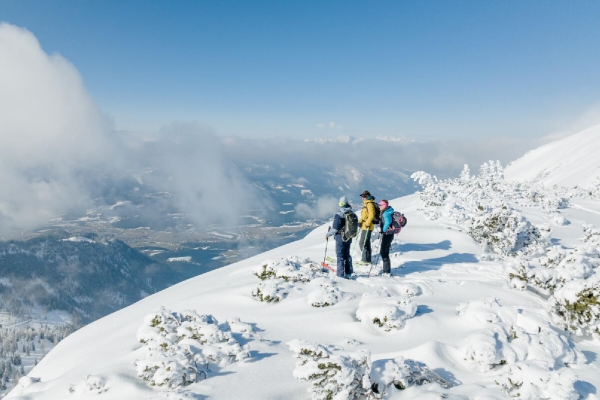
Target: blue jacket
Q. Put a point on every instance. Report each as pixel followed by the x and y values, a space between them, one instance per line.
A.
pixel 339 221
pixel 387 217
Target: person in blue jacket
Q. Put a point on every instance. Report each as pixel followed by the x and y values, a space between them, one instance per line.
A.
pixel 387 216
pixel 342 248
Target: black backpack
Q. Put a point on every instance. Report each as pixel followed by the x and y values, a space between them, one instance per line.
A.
pixel 350 227
pixel 377 218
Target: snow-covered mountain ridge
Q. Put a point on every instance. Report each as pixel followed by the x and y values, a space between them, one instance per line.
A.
pixel 476 305
pixel 571 161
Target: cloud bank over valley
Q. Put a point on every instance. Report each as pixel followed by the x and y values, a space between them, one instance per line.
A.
pixel 61 155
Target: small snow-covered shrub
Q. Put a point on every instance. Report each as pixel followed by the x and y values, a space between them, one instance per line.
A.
pixel 558 219
pixel 554 255
pixel 237 326
pixel 577 306
pixel 407 289
pixel 290 269
pixel 90 383
pixel 384 311
pixel 431 215
pixel 180 347
pixel 591 234
pixel 327 294
pixel 518 275
pixel 271 291
pixel 332 375
pixel 279 276
pixel 485 349
pixel 402 373
pixel 432 195
pixel 504 231
pixel 533 381
pixel 27 381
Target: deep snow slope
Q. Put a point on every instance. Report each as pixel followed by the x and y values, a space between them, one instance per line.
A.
pixel 452 312
pixel 567 162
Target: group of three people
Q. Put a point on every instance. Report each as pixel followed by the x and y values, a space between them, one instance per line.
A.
pixel 367 223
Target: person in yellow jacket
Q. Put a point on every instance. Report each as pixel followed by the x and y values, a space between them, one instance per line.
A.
pixel 367 224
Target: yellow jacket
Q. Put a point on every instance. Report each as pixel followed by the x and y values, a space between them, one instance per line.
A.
pixel 367 215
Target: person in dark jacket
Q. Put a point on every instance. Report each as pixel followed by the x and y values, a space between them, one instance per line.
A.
pixel 387 216
pixel 342 248
pixel 367 216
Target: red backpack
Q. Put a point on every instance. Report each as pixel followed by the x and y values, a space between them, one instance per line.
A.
pixel 398 222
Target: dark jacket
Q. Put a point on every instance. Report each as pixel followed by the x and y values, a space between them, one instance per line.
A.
pixel 339 221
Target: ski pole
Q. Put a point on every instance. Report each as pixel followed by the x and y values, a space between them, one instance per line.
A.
pixel 326 243
pixel 379 250
pixel 362 254
pixel 353 249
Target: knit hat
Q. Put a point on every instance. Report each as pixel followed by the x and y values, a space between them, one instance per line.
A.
pixel 365 193
pixel 343 201
pixel 383 203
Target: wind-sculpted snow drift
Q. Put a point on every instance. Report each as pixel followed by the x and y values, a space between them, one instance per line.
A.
pixel 493 295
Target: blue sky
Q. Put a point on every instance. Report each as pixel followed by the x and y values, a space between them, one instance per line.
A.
pixel 423 69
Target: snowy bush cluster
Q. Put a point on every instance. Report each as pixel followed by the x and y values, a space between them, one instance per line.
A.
pixel 337 374
pixel 180 348
pixel 577 306
pixel 568 277
pixel 487 206
pixel 530 354
pixel 279 277
pixel 384 311
pixel 536 381
pixel 590 192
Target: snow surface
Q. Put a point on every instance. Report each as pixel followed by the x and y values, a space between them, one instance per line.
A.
pixel 78 239
pixel 444 306
pixel 180 259
pixel 572 161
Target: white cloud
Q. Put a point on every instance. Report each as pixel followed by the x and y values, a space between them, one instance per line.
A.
pixel 50 129
pixel 57 147
pixel 331 125
pixel 325 207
